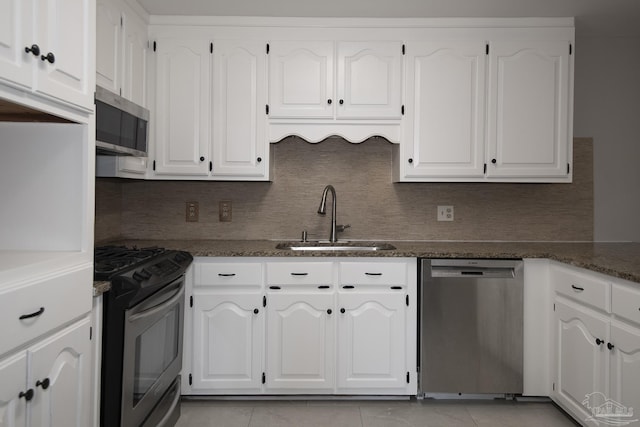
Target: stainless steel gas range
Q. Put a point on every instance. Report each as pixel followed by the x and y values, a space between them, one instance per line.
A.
pixel 142 337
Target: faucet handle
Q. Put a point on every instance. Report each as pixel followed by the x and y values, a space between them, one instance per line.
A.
pixel 341 228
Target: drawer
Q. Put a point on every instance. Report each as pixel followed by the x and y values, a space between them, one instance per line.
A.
pixel 373 273
pixel 229 274
pixel 625 303
pixel 303 273
pixel 61 300
pixel 583 287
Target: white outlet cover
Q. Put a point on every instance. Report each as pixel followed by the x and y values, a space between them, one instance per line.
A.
pixel 445 213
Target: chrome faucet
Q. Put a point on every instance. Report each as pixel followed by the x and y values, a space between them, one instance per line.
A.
pixel 322 210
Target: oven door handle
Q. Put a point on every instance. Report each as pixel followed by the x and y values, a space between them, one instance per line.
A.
pixel 168 296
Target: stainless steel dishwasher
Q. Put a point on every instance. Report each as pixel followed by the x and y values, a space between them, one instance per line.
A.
pixel 471 327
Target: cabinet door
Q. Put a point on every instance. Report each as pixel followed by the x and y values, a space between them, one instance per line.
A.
pixel 372 341
pixel 182 107
pixel 445 109
pixel 64 360
pixel 16 33
pixel 136 49
pixel 238 116
pixel 369 80
pixel 65 29
pixel 108 46
pixel 300 342
pixel 528 116
pixel 13 381
pixel 581 361
pixel 301 79
pixel 625 366
pixel 227 342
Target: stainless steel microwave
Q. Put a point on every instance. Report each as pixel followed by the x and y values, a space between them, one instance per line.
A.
pixel 121 125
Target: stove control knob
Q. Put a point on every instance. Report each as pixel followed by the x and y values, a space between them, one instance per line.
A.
pixel 145 273
pixel 138 277
pixel 180 257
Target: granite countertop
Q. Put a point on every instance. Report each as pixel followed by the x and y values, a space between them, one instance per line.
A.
pixel 620 260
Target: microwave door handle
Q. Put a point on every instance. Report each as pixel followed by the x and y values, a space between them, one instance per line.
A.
pixel 146 312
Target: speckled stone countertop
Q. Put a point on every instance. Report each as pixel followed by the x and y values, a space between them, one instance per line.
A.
pixel 620 260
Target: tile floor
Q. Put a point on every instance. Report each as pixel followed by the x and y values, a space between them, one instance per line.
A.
pixel 410 413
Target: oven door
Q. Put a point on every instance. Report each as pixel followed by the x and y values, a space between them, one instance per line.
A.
pixel 152 352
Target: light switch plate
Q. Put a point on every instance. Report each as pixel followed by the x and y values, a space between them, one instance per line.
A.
pixel 445 213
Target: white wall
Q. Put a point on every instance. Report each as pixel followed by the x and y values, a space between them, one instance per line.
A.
pixel 607 108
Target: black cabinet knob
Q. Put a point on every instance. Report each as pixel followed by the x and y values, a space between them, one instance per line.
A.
pixel 494 161
pixel 50 57
pixel 410 160
pixel 341 101
pixel 256 311
pixel 44 383
pixel 329 311
pixel 259 159
pixel 342 310
pixel 202 158
pixel 28 395
pixel 610 346
pixel 329 101
pixel 34 49
pixel 599 341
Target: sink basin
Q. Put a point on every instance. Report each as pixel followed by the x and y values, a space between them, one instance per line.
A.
pixel 335 246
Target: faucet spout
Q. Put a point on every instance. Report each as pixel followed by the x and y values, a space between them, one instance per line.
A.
pixel 322 210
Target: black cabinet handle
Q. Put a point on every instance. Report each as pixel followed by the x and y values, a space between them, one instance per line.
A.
pixel 256 311
pixel 50 57
pixel 274 287
pixel 342 310
pixel 28 395
pixel 329 311
pixel 577 288
pixel 348 287
pixel 34 314
pixel 494 161
pixel 299 274
pixel 599 341
pixel 226 274
pixel 324 287
pixel 259 159
pixel 329 101
pixel 44 383
pixel 373 274
pixel 410 160
pixel 202 158
pixel 341 101
pixel 610 346
pixel 34 49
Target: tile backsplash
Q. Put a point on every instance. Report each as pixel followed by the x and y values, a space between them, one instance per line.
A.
pixel 367 199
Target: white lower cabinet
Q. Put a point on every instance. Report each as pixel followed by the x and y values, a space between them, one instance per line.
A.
pixel 49 384
pixel 292 326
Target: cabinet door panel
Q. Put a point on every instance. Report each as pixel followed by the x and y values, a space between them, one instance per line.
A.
pixel 301 79
pixel 13 381
pixel 581 361
pixel 239 96
pixel 300 342
pixel 369 80
pixel 625 366
pixel 182 107
pixel 135 60
pixel 228 342
pixel 371 340
pixel 64 31
pixel 446 98
pixel 64 359
pixel 528 109
pixel 108 46
pixel 15 34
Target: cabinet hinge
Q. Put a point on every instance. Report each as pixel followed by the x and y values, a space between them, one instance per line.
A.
pixel 487 48
pixel 154 46
pixel 264 301
pixel 210 166
pixel 121 22
pixel 191 301
pixel 210 47
pixel 553 386
pixel 570 49
pixel 568 168
pixel 154 165
pixel 264 378
pixel 485 168
pixel 267 48
pixel 190 379
pixel 408 378
pixel 90 333
pixel 266 108
pixel 403 49
pixel 407 300
pixel 402 110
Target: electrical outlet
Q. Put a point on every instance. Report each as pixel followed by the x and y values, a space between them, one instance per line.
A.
pixel 193 212
pixel 225 211
pixel 445 213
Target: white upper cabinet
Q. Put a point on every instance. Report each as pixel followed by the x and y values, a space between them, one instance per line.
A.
pixel 108 45
pixel 368 81
pixel 446 105
pixel 529 109
pixel 136 51
pixel 239 145
pixel 182 119
pixel 47 46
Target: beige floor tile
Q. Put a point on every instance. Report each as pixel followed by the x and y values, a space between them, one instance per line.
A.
pixel 306 416
pixel 509 414
pixel 211 414
pixel 415 414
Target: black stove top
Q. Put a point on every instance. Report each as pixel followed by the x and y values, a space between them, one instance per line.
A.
pixel 111 260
